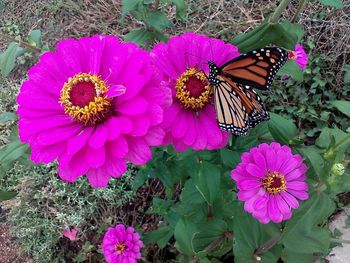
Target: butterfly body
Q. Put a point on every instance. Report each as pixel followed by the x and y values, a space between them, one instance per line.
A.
pixel 238 106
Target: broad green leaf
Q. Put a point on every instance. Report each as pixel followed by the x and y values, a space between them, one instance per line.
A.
pixel 291 68
pixel 127 6
pixel 346 70
pixel 208 232
pixel 181 9
pixel 158 21
pixel 316 161
pixel 342 105
pixel 207 181
pixel 12 151
pixel 35 38
pixel 161 236
pixel 7 116
pixel 293 257
pixel 302 233
pixel 139 36
pixel 284 34
pixel 333 3
pixel 4 195
pixel 281 129
pixel 190 194
pixel 230 158
pixel 185 232
pixel 249 235
pixel 7 59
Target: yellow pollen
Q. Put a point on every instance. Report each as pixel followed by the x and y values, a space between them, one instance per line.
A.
pixel 120 247
pixel 183 94
pixel 274 183
pixel 96 110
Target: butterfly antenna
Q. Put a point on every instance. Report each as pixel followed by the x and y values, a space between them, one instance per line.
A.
pixel 211 50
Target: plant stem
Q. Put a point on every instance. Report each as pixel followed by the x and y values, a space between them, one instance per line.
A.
pixel 21 43
pixel 276 15
pixel 217 241
pixel 298 11
pixel 269 244
pixel 337 240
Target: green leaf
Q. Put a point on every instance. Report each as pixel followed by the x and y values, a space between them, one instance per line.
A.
pixel 333 3
pixel 181 9
pixel 316 161
pixel 190 194
pixel 281 129
pixel 185 232
pixel 161 236
pixel 302 233
pixel 128 6
pixel 7 116
pixel 139 36
pixel 293 257
pixel 158 21
pixel 230 158
pixel 35 38
pixel 346 70
pixel 342 105
pixel 291 68
pixel 7 59
pixel 10 153
pixel 207 181
pixel 249 236
pixel 4 195
pixel 284 34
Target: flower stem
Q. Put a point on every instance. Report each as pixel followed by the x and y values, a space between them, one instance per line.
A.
pixel 337 240
pixel 276 15
pixel 269 244
pixel 298 11
pixel 21 43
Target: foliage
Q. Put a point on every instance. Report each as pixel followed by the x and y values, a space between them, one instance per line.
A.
pixel 154 19
pixel 48 206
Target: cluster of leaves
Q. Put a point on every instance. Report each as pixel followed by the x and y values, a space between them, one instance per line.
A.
pixel 153 18
pixel 310 98
pixel 203 216
pixel 49 205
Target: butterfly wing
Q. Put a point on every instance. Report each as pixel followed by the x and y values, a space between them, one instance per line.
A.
pixel 257 68
pixel 237 108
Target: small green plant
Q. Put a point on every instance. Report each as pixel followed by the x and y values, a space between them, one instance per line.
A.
pixel 48 206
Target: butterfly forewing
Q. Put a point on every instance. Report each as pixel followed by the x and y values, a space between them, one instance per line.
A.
pixel 256 68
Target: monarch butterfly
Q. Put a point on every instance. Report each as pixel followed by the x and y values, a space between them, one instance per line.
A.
pixel 237 105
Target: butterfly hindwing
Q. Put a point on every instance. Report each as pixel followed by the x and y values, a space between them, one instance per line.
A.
pixel 256 68
pixel 238 108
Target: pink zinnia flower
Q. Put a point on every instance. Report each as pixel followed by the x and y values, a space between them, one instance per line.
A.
pixel 299 55
pixel 183 62
pixel 121 244
pixel 269 180
pixel 93 105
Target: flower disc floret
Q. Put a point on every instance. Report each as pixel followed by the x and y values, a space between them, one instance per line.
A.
pixel 84 99
pixel 193 89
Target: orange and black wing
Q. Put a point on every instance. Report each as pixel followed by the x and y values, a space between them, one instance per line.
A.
pixel 237 108
pixel 257 68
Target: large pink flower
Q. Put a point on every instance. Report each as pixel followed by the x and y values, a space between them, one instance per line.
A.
pixel 121 245
pixel 191 120
pixel 93 104
pixel 269 180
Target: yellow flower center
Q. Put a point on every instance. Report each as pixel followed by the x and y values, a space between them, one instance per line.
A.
pixel 193 89
pixel 119 248
pixel 84 99
pixel 274 183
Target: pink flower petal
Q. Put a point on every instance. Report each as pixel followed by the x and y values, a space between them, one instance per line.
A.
pixel 255 171
pixel 302 195
pixel 297 185
pixel 290 200
pixel 273 211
